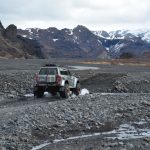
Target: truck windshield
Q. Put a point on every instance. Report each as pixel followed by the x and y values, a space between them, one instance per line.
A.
pixel 48 71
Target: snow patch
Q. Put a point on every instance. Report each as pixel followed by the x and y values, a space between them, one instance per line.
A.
pixel 24 35
pixel 84 92
pixel 99 42
pixel 29 95
pixel 29 30
pixel 71 32
pixel 107 48
pixel 118 47
pixel 99 33
pixel 47 94
pixel 146 37
pixel 121 34
pixel 55 40
pixel 37 29
pixel 75 38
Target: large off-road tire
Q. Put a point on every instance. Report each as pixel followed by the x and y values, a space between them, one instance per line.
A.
pixel 38 93
pixel 65 92
pixel 77 90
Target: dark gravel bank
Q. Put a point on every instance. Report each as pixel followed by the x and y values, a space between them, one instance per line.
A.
pixel 119 95
pixel 22 127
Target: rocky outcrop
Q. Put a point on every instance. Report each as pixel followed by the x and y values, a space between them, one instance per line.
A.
pixel 14 46
pixel 11 32
pixel 1 28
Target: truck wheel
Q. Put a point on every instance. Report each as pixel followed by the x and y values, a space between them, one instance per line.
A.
pixel 77 90
pixel 38 93
pixel 53 93
pixel 65 92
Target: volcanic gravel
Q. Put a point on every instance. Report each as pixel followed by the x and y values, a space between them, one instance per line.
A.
pixel 26 126
pixel 16 84
pixel 116 97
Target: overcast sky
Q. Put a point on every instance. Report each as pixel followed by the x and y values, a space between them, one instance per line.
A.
pixel 94 14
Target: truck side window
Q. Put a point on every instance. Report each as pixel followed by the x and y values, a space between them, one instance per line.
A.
pixel 64 72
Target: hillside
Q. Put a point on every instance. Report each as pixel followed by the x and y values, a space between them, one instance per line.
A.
pixel 15 46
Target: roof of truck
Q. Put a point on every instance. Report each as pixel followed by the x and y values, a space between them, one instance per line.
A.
pixel 51 65
pixel 54 66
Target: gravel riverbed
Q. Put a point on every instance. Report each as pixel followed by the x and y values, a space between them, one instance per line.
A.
pixel 118 106
pixel 23 127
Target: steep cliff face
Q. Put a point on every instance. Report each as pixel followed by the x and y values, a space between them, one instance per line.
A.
pixel 14 46
pixel 1 29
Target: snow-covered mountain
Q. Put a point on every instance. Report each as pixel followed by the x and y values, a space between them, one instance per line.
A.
pixel 123 34
pixel 133 42
pixel 143 34
pixel 81 42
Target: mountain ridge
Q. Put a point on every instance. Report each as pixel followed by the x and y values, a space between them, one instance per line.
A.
pixel 79 42
pixel 84 43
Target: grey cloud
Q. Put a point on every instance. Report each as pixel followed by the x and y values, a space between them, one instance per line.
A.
pixel 35 9
pixel 73 12
pixel 129 13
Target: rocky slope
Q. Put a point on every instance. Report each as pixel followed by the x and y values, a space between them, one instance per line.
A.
pixel 14 46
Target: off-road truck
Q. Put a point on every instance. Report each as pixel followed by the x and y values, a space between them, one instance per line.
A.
pixel 56 80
